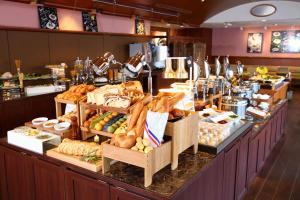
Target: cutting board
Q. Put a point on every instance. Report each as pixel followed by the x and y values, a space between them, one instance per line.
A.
pixel 75 160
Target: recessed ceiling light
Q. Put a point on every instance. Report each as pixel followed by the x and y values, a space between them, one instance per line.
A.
pixel 226 26
pixel 202 0
pixel 168 24
pixel 181 26
pixel 241 28
pixel 263 10
pixel 266 28
pixel 275 24
pixel 263 20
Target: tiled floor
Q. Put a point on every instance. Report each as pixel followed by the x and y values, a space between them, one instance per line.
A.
pixel 280 177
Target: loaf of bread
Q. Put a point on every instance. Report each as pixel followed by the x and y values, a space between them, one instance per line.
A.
pixel 79 148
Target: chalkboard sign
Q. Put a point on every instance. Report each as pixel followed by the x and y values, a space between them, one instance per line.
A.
pixel 89 22
pixel 285 41
pixel 48 17
pixel 140 26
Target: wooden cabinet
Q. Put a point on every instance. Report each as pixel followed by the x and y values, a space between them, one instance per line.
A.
pixel 261 149
pixel 49 181
pixel 3 188
pixel 268 140
pixel 273 131
pixel 241 183
pixel 207 185
pixel 121 194
pixel 19 175
pixel 278 125
pixel 252 159
pixel 79 187
pixel 230 168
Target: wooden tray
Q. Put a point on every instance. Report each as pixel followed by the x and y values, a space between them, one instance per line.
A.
pixel 87 133
pixel 184 133
pixel 63 134
pixel 75 160
pixel 152 162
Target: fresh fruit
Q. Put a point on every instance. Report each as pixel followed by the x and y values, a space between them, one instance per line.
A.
pixel 102 122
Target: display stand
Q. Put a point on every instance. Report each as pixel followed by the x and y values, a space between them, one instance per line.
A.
pixel 184 134
pixel 152 161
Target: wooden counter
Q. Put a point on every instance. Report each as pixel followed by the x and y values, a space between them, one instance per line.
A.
pixel 25 175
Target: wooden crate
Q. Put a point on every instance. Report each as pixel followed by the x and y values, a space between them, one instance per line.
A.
pixel 152 162
pixel 184 134
pixel 277 94
pixel 63 134
pixel 75 160
pixel 87 133
pixel 60 102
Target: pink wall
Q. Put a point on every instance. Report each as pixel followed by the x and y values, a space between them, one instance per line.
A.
pixel 14 14
pixel 233 41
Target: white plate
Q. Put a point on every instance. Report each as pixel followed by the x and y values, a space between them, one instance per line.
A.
pixel 52 122
pixel 62 126
pixel 40 120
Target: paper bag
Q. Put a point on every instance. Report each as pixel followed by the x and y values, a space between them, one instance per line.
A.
pixel 155 127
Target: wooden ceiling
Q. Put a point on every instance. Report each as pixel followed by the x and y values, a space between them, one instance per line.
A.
pixel 193 12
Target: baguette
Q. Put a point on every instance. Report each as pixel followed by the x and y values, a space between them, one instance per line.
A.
pixel 135 115
pixel 141 122
pixel 175 99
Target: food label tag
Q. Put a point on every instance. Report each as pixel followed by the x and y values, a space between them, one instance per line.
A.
pixel 70 108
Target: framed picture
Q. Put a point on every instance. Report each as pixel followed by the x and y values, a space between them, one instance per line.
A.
pixel 140 26
pixel 285 41
pixel 255 42
pixel 48 17
pixel 89 22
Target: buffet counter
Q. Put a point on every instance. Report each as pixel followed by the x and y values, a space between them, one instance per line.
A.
pixel 23 109
pixel 198 176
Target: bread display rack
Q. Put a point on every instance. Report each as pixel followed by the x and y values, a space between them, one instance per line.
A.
pixel 184 133
pixel 83 105
pixel 152 161
pixel 59 106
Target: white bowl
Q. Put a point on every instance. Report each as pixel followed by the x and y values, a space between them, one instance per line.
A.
pixel 50 123
pixel 62 126
pixel 40 120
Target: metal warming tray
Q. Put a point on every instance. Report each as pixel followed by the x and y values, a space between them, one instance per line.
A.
pixel 235 131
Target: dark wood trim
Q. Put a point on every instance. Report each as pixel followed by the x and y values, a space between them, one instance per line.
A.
pixel 7 28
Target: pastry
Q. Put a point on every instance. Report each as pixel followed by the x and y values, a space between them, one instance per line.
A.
pixel 79 148
pixel 133 85
pixel 117 101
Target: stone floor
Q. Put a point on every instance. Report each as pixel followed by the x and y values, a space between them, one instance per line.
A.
pixel 280 177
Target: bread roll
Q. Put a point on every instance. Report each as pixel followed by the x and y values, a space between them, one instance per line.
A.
pixel 125 141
